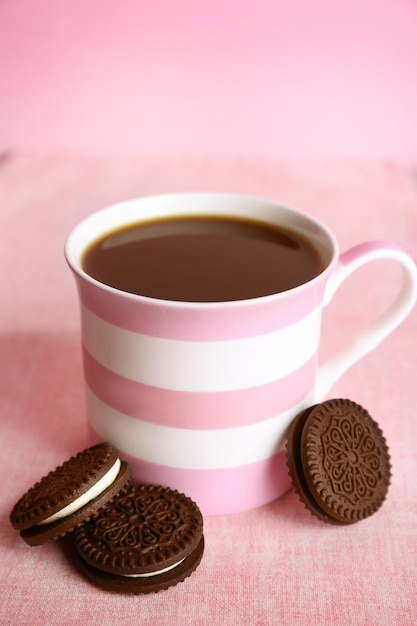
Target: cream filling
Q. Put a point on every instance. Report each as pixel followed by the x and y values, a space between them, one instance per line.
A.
pixel 149 574
pixel 86 497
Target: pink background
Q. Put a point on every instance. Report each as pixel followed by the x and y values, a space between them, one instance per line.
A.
pixel 226 77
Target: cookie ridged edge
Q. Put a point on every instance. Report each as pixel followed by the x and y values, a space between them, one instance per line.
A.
pixel 43 499
pixel 329 503
pixel 119 563
pixel 321 506
pixel 295 470
pixel 121 584
pixel 38 535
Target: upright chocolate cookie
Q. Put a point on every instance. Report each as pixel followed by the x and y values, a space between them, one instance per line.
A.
pixel 338 461
pixel 70 494
pixel 147 539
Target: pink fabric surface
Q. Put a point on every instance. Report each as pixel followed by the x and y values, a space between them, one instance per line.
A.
pixel 273 565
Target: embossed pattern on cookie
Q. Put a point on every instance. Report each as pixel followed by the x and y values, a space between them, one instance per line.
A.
pixel 340 462
pixel 147 539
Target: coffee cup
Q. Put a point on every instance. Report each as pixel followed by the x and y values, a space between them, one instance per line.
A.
pixel 198 392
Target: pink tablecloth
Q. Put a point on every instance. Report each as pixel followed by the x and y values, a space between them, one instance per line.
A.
pixel 274 565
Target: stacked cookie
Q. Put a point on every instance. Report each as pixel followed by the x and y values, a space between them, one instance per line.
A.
pixel 339 461
pixel 135 539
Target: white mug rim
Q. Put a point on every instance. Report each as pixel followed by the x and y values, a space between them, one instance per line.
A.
pixel 74 263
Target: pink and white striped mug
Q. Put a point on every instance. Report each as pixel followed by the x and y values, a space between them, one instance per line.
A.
pixel 199 396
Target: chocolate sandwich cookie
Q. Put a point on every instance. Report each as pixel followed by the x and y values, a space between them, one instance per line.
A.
pixel 147 539
pixel 70 494
pixel 339 462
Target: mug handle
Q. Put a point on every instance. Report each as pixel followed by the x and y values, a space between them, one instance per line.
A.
pixel 372 335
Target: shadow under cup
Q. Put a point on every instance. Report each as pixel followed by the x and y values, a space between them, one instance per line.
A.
pixel 198 396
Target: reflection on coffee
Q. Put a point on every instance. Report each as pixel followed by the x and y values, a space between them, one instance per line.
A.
pixel 202 259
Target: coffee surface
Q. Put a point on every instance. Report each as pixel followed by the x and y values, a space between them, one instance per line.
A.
pixel 202 259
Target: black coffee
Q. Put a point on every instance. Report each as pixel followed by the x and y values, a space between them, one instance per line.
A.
pixel 202 259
